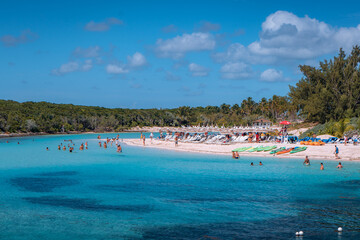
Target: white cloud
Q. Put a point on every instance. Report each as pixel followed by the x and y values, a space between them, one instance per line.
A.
pixel 102 26
pixel 116 69
pixel 90 52
pixel 236 70
pixel 24 37
pixel 136 60
pixel 87 65
pixel 285 36
pixel 72 67
pixel 271 75
pixel 178 46
pixel 66 68
pixel 197 70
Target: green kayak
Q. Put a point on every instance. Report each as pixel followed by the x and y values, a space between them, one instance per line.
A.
pixel 255 149
pixel 298 149
pixel 241 149
pixel 277 150
pixel 268 148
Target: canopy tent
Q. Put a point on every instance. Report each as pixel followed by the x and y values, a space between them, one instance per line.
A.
pixel 285 123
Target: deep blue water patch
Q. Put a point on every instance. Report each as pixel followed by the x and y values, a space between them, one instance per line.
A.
pixel 57 174
pixel 86 204
pixel 41 184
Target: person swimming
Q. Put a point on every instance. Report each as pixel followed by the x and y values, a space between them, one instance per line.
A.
pixel 260 164
pixel 307 161
pixel 252 164
pixel 59 148
pixel 47 149
pixel 64 148
pixel 119 148
pixel 339 166
pixel 321 166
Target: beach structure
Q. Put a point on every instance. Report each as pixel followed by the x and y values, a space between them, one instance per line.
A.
pixel 262 123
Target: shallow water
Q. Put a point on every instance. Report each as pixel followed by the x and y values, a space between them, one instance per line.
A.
pixel 146 193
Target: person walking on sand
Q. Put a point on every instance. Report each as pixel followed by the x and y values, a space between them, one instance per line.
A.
pixel 321 166
pixel 339 166
pixel 151 137
pixel 336 152
pixel 176 141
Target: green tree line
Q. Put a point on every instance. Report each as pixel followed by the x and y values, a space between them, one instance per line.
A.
pixel 52 118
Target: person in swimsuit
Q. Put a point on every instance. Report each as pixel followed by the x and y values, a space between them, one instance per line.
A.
pixel 339 166
pixel 252 164
pixel 260 164
pixel 307 161
pixel 321 166
pixel 119 148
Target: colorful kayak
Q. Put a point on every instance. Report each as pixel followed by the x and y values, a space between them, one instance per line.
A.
pixel 268 148
pixel 285 151
pixel 241 149
pixel 277 150
pixel 255 149
pixel 298 149
pixel 244 149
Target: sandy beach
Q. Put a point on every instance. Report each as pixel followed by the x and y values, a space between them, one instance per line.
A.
pixel 326 152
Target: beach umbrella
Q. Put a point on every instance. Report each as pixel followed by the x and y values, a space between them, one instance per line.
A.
pixel 285 123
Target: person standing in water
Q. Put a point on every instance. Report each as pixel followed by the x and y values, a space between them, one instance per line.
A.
pixel 339 166
pixel 260 164
pixel 307 161
pixel 144 140
pixel 119 148
pixel 321 166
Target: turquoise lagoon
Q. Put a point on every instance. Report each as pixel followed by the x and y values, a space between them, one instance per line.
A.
pixel 146 193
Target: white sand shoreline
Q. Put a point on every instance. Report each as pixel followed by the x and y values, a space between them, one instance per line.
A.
pixel 326 152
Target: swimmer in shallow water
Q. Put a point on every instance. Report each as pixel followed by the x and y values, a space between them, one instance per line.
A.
pixel 321 166
pixel 119 149
pixel 339 166
pixel 260 164
pixel 307 161
pixel 252 164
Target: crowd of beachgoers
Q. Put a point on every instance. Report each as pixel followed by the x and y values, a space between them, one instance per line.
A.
pixel 246 135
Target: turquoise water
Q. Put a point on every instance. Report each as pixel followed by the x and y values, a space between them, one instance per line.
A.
pixel 145 193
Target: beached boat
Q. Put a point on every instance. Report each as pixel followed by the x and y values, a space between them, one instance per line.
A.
pixel 255 149
pixel 285 151
pixel 298 149
pixel 241 149
pixel 268 148
pixel 277 150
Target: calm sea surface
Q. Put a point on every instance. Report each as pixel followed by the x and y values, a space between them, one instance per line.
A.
pixel 145 193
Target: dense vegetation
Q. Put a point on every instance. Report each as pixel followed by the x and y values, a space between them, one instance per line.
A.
pixel 51 118
pixel 329 94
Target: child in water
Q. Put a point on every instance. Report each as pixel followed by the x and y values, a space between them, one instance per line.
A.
pixel 321 166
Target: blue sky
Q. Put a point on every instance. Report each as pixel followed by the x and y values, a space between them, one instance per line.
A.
pixel 165 54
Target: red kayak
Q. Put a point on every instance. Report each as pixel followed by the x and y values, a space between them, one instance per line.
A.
pixel 285 151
